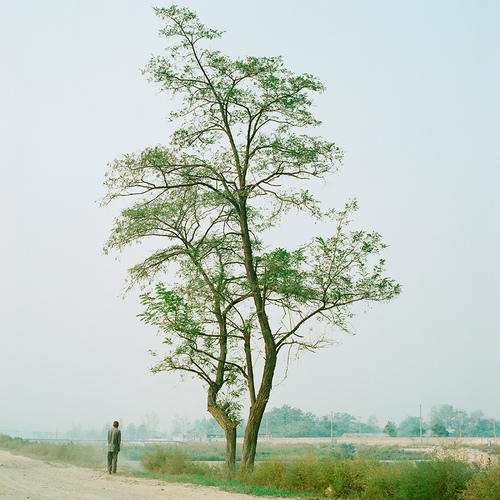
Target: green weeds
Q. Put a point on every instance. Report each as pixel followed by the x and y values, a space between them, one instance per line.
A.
pixel 171 461
pixel 320 476
pixel 485 485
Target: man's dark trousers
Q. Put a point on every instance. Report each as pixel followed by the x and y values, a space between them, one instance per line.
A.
pixel 112 461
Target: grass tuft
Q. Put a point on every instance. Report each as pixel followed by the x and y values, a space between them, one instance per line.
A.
pixel 170 461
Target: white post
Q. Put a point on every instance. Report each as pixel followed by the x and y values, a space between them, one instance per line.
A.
pixel 420 407
pixel 331 429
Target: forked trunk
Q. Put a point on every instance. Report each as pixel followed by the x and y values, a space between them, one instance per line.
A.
pixel 259 405
pixel 228 424
pixel 257 412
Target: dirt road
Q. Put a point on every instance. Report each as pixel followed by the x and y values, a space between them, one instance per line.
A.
pixel 22 478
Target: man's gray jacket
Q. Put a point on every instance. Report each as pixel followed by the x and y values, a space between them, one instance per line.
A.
pixel 114 437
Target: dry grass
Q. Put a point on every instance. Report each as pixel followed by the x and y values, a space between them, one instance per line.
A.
pixel 77 454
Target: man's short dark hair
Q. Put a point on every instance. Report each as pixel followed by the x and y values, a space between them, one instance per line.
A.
pixel 115 423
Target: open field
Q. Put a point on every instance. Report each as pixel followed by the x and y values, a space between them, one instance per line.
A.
pixel 417 471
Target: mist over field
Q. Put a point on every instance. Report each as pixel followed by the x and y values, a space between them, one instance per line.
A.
pixel 412 98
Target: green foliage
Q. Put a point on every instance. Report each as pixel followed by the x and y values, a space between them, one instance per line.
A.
pixel 485 485
pixel 311 474
pixel 410 427
pixel 386 483
pixel 435 479
pixel 390 429
pixel 170 461
pixel 445 416
pixel 345 450
pixel 368 478
pixel 292 422
pixel 344 423
pixel 215 452
pixel 392 453
pixel 340 474
pixel 477 424
pixel 439 430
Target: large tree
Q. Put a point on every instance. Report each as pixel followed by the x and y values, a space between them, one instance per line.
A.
pixel 233 167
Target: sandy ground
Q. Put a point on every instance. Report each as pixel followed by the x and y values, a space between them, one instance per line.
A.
pixel 23 478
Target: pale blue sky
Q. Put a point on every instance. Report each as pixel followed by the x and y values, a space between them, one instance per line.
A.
pixel 413 99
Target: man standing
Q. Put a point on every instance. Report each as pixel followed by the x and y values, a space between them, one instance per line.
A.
pixel 114 440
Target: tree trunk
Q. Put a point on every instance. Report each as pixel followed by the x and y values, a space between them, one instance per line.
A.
pixel 257 412
pixel 251 437
pixel 230 447
pixel 226 423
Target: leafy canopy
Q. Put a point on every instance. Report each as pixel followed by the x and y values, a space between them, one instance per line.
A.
pixel 234 165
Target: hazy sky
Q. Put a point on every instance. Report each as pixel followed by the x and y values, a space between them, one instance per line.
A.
pixel 413 99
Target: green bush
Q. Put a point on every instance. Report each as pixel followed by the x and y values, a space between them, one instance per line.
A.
pixel 368 478
pixel 172 462
pixel 332 476
pixel 346 450
pixel 435 480
pixel 384 483
pixel 343 477
pixel 270 474
pixel 485 485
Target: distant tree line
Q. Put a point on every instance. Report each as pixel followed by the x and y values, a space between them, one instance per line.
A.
pixel 444 421
pixel 290 422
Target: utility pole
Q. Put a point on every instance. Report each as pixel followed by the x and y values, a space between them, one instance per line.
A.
pixel 331 429
pixel 420 407
pixel 460 423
